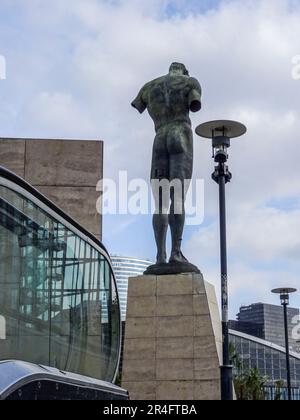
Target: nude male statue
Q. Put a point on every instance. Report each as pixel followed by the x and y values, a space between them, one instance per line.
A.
pixel 169 99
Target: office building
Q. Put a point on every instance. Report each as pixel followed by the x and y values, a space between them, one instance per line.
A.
pixel 266 322
pixel 125 267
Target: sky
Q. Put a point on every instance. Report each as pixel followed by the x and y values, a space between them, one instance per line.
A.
pixel 73 68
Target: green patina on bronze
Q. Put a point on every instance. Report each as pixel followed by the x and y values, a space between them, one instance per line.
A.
pixel 169 100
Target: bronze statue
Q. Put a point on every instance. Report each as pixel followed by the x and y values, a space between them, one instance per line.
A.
pixel 169 99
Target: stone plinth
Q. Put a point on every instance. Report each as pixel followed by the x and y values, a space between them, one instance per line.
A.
pixel 173 339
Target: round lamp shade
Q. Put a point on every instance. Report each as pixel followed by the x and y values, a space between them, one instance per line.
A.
pixel 211 129
pixel 284 291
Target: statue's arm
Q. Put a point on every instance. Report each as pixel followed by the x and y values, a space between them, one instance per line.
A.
pixel 195 96
pixel 139 102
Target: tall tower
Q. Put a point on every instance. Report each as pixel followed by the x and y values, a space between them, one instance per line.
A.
pixel 125 267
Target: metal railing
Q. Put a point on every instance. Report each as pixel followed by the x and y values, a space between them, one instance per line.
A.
pixel 273 393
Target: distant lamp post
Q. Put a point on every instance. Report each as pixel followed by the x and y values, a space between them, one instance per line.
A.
pixel 285 300
pixel 221 132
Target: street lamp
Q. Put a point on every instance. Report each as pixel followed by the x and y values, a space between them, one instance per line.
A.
pixel 285 300
pixel 221 132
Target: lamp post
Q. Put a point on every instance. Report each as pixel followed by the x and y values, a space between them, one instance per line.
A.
pixel 285 300
pixel 221 132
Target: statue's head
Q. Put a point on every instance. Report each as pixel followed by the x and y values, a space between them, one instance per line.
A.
pixel 179 68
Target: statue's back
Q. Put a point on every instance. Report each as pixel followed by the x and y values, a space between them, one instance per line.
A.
pixel 167 99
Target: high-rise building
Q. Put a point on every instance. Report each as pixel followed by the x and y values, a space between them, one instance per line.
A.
pixel 266 322
pixel 125 267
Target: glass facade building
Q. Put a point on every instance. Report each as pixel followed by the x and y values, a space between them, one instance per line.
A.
pixel 266 322
pixel 125 267
pixel 59 304
pixel 268 357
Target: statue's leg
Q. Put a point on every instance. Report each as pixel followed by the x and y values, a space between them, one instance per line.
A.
pixel 159 172
pixel 181 168
pixel 176 221
pixel 160 227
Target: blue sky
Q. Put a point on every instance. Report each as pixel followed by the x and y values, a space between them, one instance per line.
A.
pixel 184 8
pixel 73 69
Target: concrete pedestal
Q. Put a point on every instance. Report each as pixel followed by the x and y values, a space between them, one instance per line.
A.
pixel 173 339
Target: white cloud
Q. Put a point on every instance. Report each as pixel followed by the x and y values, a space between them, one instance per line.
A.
pixel 256 235
pixel 263 248
pixel 55 109
pixel 249 285
pixel 76 66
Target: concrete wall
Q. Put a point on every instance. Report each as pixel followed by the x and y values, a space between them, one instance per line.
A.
pixel 173 339
pixel 66 171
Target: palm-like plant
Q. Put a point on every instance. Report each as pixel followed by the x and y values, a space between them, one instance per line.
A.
pixel 248 384
pixel 255 383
